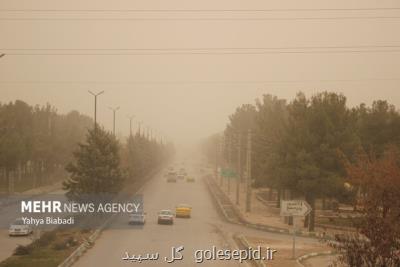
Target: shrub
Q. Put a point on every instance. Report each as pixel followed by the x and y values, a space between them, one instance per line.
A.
pixel 45 239
pixel 61 245
pixel 21 250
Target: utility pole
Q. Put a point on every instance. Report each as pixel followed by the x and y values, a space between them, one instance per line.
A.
pixel 222 153
pixel 95 106
pixel 139 127
pixel 239 169
pixel 229 162
pixel 216 159
pixel 114 110
pixel 130 125
pixel 248 173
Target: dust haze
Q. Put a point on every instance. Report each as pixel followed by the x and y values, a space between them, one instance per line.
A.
pixel 184 116
pixel 189 96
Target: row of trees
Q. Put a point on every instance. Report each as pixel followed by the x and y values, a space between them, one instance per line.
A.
pixel 142 154
pixel 35 143
pixel 299 146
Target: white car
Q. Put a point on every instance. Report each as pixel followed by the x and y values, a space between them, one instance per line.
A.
pixel 137 218
pixel 18 228
pixel 165 217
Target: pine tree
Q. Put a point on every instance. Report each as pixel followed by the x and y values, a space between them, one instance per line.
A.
pixel 96 169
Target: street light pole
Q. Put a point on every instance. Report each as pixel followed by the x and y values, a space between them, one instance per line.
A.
pixel 95 106
pixel 139 127
pixel 130 125
pixel 248 173
pixel 229 161
pixel 114 110
pixel 239 168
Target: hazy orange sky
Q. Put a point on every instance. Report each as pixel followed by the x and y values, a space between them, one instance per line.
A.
pixel 190 96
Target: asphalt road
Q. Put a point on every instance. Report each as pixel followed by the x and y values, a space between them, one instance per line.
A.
pixel 204 230
pixel 198 232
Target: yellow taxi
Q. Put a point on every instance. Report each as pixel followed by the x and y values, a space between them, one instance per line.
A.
pixel 183 211
pixel 190 179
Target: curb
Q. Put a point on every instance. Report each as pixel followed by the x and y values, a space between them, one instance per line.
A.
pixel 85 246
pixel 220 206
pixel 301 259
pixel 244 243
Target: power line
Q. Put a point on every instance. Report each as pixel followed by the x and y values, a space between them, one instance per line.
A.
pixel 204 10
pixel 202 48
pixel 209 53
pixel 206 19
pixel 201 81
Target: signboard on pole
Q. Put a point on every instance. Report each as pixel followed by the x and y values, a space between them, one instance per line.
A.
pixel 295 208
pixel 228 173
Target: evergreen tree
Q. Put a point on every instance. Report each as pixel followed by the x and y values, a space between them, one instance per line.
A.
pixel 96 169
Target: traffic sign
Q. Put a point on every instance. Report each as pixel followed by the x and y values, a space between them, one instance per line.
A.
pixel 295 208
pixel 228 173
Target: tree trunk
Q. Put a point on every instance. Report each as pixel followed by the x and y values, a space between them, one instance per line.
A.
pixel 290 197
pixel 278 199
pixel 7 175
pixel 270 193
pixel 306 221
pixel 311 219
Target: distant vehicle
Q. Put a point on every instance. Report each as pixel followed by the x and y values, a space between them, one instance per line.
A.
pixel 171 177
pixel 181 176
pixel 18 228
pixel 165 217
pixel 190 179
pixel 137 218
pixel 183 171
pixel 183 211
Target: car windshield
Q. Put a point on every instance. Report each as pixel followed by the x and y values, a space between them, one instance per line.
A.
pixel 165 212
pixel 18 222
